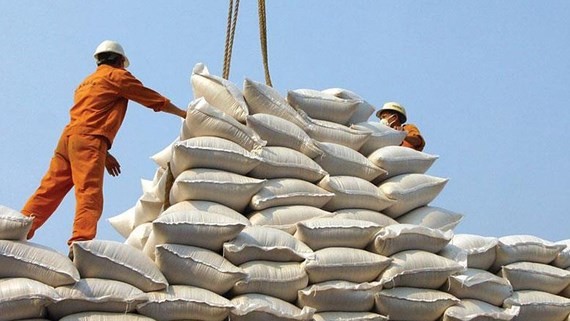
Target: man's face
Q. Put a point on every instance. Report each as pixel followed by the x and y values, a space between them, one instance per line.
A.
pixel 390 117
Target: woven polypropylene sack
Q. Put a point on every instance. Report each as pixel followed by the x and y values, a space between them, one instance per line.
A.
pixel 348 264
pixel 353 192
pixel 278 279
pixel 196 228
pixel 230 189
pixel 284 162
pixel 13 224
pixel 255 307
pixel 401 237
pixel 207 206
pixel 289 191
pixel 340 160
pixel 219 92
pixel 277 131
pixel 260 243
pixel 105 316
pixel 433 217
pixel 163 156
pixel 319 233
pixel 419 269
pixel 480 250
pixel 202 119
pixel 363 108
pixel 525 248
pixel 96 295
pixel 329 132
pixel 410 191
pixel 285 218
pixel 139 236
pixel 413 304
pixel 212 152
pixel 397 160
pixel 117 261
pixel 468 310
pixel 124 223
pixel 365 215
pixel 382 136
pixel 562 260
pixel 536 276
pixel 321 105
pixel 189 265
pixel 147 209
pixel 479 285
pixel 265 99
pixel 339 296
pixel 22 259
pixel 537 305
pixel 349 316
pixel 178 302
pixel 22 298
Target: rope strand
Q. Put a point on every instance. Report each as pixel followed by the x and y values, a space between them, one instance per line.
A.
pixel 263 40
pixel 230 32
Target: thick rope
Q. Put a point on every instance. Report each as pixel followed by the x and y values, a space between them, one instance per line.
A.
pixel 263 39
pixel 230 32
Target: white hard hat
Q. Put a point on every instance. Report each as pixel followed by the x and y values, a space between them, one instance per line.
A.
pixel 111 46
pixel 394 106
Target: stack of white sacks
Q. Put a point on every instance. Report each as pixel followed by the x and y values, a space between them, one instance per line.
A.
pixel 296 208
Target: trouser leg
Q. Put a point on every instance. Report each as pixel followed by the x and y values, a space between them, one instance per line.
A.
pixel 87 155
pixel 55 184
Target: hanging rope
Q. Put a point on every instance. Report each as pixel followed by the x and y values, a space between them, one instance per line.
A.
pixel 230 32
pixel 263 39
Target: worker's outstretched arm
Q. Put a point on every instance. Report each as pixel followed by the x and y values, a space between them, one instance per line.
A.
pixel 174 110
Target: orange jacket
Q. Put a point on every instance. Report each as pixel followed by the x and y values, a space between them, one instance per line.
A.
pixel 100 102
pixel 413 131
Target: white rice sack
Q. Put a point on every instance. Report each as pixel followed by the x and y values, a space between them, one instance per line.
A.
pixel 521 248
pixel 382 136
pixel 202 119
pixel 13 224
pixel 537 305
pixel 468 310
pixel 413 304
pixel 339 296
pixel 320 105
pixel 401 237
pixel 266 100
pixel 419 269
pixel 212 152
pixel 22 298
pixel 150 246
pixel 163 157
pixel 207 206
pixel 348 264
pixel 260 243
pixel 349 316
pixel 179 302
pixel 230 189
pixel 285 218
pixel 536 276
pixel 96 295
pixel 363 108
pixel 323 232
pixel 329 132
pixel 480 249
pixel 365 215
pixel 147 209
pixel 119 262
pixel 139 236
pixel 340 160
pixel 289 191
pixel 562 260
pixel 124 223
pixel 278 279
pixel 219 92
pixel 284 162
pixel 277 131
pixel 410 191
pixel 189 265
pixel 157 186
pixel 22 259
pixel 431 216
pixel 104 316
pixel 479 285
pixel 353 192
pixel 255 307
pixel 196 228
pixel 398 160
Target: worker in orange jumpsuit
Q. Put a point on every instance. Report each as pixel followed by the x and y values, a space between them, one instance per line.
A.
pixel 82 153
pixel 393 115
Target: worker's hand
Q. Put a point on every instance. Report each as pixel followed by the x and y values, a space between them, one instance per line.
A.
pixel 112 165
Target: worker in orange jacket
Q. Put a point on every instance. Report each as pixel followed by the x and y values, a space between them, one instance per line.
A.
pixel 82 153
pixel 393 115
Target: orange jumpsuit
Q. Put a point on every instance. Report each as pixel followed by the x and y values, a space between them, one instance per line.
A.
pixel 413 131
pixel 100 105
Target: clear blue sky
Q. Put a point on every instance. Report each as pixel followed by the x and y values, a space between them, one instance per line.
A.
pixel 485 81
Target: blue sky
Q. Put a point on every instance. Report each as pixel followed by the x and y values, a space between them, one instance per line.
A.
pixel 485 81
